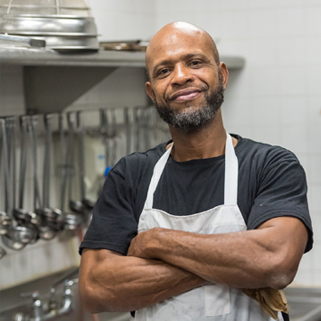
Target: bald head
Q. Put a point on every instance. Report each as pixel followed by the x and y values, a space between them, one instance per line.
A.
pixel 171 34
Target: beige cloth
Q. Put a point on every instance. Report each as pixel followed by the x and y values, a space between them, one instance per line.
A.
pixel 272 301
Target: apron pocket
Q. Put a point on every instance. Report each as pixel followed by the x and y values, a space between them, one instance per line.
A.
pixel 217 299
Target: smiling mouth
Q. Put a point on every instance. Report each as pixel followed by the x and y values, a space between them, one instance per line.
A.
pixel 185 95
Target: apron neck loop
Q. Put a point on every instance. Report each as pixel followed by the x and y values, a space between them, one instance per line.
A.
pixel 230 182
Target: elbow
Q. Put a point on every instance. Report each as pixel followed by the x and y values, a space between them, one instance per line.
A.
pixel 281 273
pixel 90 300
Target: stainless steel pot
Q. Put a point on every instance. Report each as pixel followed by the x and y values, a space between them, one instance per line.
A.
pixel 48 25
pixel 59 32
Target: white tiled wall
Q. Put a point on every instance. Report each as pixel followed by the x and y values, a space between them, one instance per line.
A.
pixel 276 98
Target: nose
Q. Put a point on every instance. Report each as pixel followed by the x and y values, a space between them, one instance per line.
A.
pixel 181 75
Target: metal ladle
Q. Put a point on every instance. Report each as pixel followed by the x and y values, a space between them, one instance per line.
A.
pixel 25 232
pixel 7 241
pixel 20 214
pixel 71 221
pixel 50 224
pixel 5 219
pixel 88 203
pixel 74 205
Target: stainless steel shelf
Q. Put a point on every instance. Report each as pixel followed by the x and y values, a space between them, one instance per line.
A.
pixel 53 80
pixel 102 58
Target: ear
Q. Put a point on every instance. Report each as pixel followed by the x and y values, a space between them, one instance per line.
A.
pixel 224 73
pixel 149 91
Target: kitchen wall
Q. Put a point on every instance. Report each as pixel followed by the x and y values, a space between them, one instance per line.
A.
pixel 275 98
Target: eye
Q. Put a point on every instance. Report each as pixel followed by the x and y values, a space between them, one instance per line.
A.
pixel 163 72
pixel 195 63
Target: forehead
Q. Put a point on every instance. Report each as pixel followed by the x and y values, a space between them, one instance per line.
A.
pixel 173 44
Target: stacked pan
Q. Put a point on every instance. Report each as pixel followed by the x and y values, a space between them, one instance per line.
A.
pixel 65 25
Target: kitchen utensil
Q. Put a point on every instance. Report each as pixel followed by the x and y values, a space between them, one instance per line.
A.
pixel 114 137
pixel 5 162
pixel 5 222
pixel 12 244
pixel 137 128
pixel 63 159
pixel 72 221
pixel 103 120
pixel 88 203
pixel 59 32
pixel 51 217
pixel 133 45
pixel 38 25
pixel 32 132
pixel 23 234
pixel 31 42
pixel 20 214
pixel 11 138
pixel 69 220
pixel 128 130
pixel 74 205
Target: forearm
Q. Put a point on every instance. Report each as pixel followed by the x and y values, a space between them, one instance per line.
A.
pixel 125 283
pixel 223 258
pixel 266 257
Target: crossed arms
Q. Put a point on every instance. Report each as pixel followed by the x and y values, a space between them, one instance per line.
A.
pixel 162 263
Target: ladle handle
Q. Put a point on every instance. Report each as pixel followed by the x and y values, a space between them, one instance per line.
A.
pixel 23 159
pixel 5 161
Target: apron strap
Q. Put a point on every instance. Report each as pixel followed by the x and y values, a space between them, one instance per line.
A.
pixel 231 173
pixel 157 173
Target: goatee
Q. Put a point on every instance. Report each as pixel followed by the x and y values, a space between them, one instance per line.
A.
pixel 190 120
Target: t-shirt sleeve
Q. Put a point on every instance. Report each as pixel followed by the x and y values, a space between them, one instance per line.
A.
pixel 281 191
pixel 113 224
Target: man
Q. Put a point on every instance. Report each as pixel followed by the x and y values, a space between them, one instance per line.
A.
pixel 214 214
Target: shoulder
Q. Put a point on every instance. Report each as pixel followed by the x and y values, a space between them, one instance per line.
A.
pixel 135 164
pixel 262 154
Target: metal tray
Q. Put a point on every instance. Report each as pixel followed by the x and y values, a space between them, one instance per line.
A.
pixel 39 25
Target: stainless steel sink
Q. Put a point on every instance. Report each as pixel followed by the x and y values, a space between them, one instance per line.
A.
pixel 304 303
pixel 11 301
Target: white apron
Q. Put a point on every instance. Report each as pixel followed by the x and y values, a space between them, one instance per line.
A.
pixel 212 301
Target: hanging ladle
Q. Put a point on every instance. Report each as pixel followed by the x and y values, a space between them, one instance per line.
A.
pixel 50 224
pixel 21 214
pixel 25 232
pixel 5 219
pixel 49 214
pixel 71 221
pixel 74 205
pixel 87 202
pixel 7 241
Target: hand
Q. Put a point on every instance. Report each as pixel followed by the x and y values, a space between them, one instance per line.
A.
pixel 142 245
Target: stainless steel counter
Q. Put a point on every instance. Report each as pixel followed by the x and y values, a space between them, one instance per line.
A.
pixel 304 303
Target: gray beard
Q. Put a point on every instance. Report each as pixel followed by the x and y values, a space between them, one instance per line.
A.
pixel 190 120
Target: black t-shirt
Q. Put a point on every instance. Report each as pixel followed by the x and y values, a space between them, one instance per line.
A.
pixel 271 184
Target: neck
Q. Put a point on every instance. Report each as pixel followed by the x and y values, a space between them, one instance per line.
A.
pixel 207 142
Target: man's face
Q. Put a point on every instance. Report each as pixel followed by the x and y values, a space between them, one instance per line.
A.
pixel 186 84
